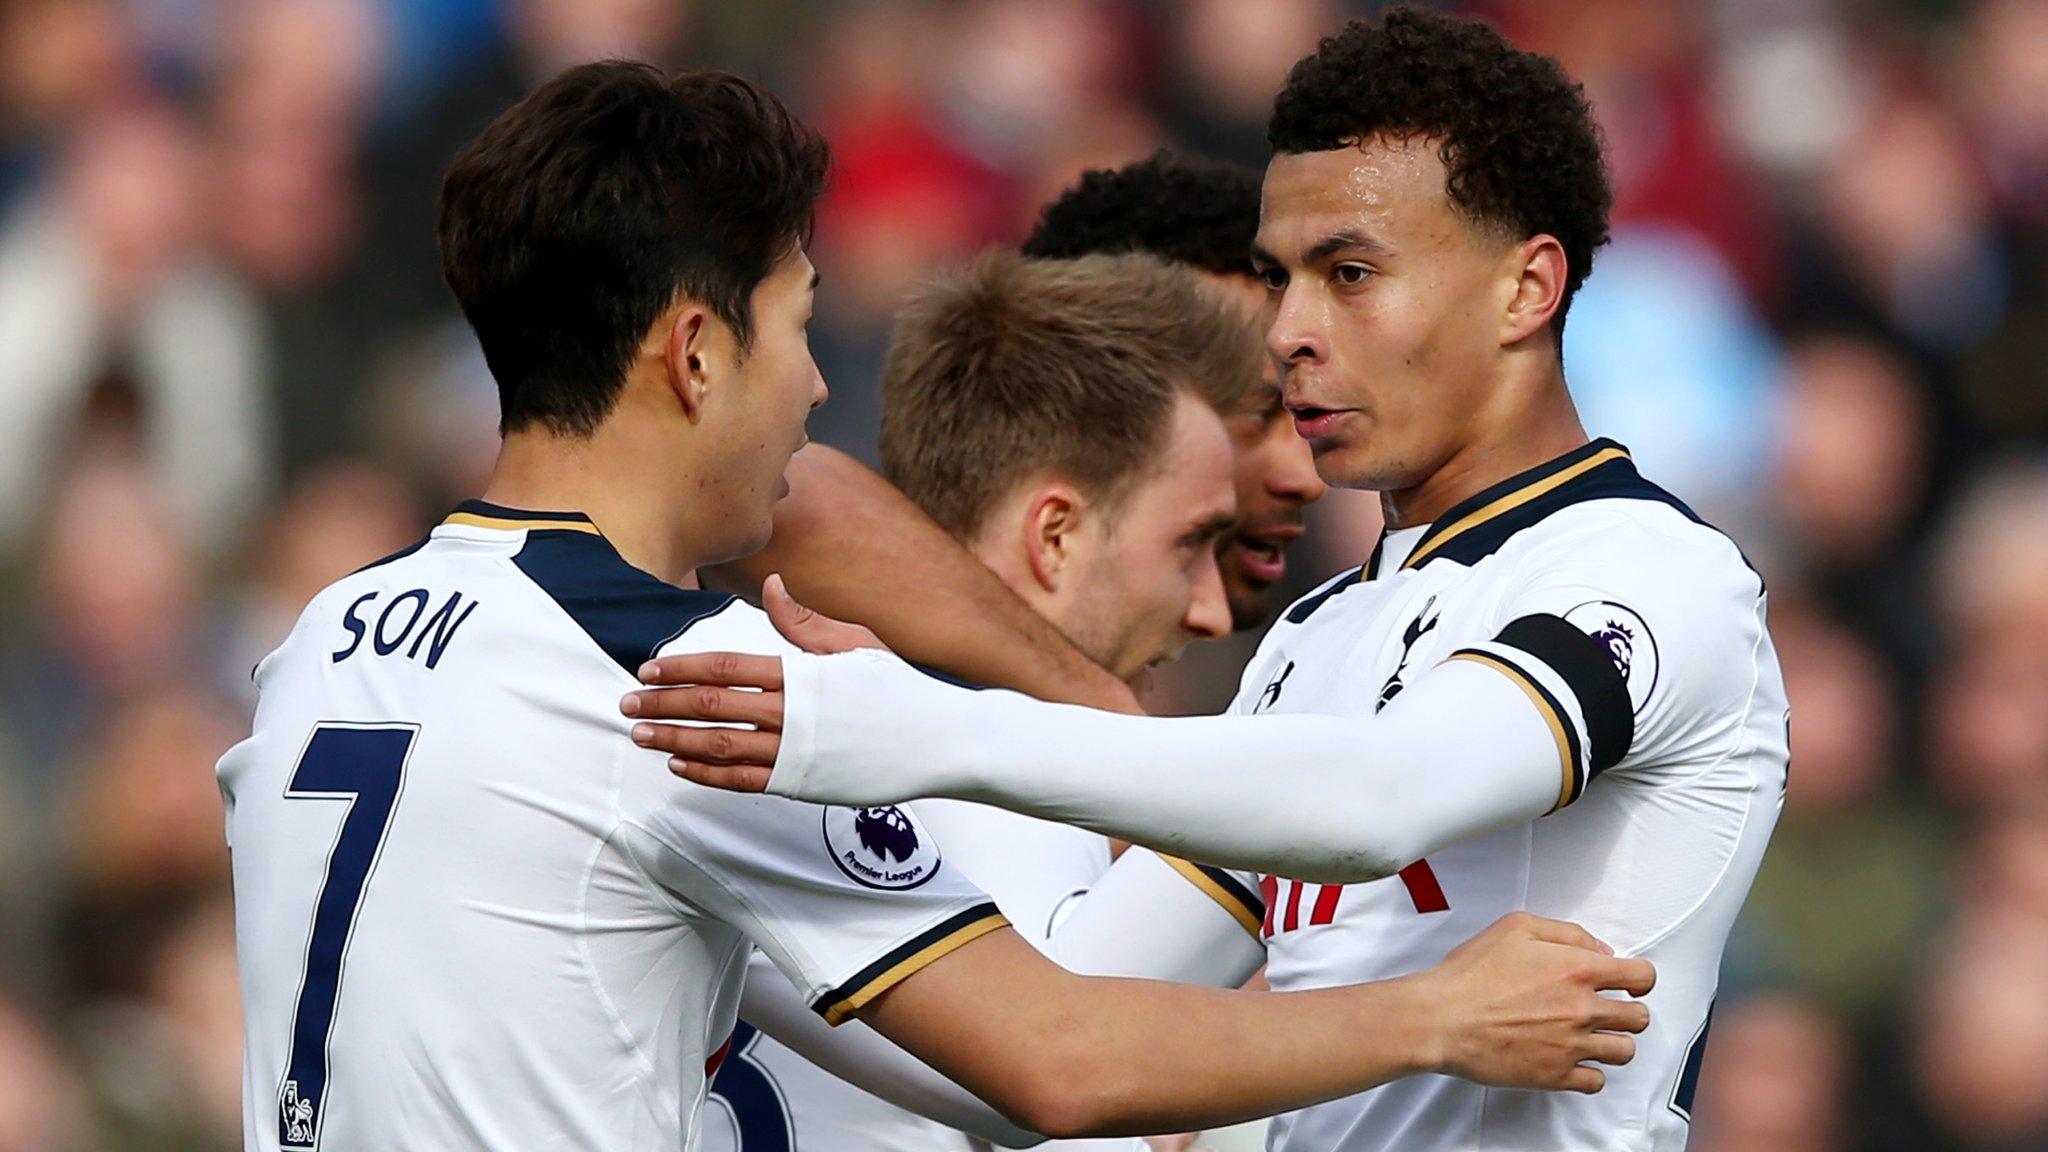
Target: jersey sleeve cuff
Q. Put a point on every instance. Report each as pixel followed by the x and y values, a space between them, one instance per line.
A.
pixel 837 1005
pixel 1244 905
pixel 799 744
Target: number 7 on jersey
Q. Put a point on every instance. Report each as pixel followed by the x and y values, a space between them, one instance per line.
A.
pixel 364 765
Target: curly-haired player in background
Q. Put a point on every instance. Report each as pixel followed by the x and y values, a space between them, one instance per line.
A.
pixel 1550 688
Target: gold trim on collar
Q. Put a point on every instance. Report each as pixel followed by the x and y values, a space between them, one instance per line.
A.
pixel 506 524
pixel 1510 502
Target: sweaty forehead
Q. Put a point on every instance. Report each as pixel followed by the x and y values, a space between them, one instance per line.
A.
pixel 1389 190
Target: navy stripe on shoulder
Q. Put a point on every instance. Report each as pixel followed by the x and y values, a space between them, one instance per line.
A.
pixel 631 614
pixel 1306 607
pixel 1613 480
pixel 401 554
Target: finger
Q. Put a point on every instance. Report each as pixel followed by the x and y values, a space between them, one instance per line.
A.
pixel 728 669
pixel 1633 975
pixel 705 702
pixel 711 745
pixel 732 778
pixel 1587 1080
pixel 1608 1048
pixel 1564 932
pixel 1621 1016
pixel 806 628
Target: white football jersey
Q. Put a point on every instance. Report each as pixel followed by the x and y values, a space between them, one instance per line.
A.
pixel 471 914
pixel 1664 807
pixel 768 1098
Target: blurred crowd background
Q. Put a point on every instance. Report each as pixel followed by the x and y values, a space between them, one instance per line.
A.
pixel 229 374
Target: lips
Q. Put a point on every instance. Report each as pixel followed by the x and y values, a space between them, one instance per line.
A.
pixel 1311 423
pixel 1262 553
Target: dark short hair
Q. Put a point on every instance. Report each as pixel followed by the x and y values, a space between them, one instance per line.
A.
pixel 1182 209
pixel 581 214
pixel 1516 136
pixel 1016 367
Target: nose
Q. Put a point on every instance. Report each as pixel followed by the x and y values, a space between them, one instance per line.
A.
pixel 1208 615
pixel 819 393
pixel 1294 336
pixel 1291 466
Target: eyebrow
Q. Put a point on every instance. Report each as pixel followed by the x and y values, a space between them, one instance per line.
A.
pixel 1339 241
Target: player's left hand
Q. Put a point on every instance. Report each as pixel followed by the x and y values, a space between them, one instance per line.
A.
pixel 809 630
pixel 731 688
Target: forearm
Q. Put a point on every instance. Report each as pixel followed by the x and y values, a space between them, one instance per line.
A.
pixel 1323 798
pixel 863 1058
pixel 851 546
pixel 1075 1056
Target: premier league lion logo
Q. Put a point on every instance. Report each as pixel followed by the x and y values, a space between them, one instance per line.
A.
pixel 295 1115
pixel 886 832
pixel 1620 643
pixel 880 847
pixel 1622 633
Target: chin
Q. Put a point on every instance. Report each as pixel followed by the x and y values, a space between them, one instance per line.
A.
pixel 1360 466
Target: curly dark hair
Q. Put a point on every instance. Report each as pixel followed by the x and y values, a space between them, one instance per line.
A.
pixel 1182 209
pixel 1515 133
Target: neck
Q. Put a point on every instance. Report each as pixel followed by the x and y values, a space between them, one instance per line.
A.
pixel 1515 437
pixel 1013 569
pixel 618 484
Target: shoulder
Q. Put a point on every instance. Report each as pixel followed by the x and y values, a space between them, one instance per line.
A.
pixel 1669 600
pixel 629 613
pixel 1641 544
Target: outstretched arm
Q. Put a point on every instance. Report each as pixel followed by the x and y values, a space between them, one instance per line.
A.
pixel 1068 1055
pixel 852 546
pixel 863 1058
pixel 1497 735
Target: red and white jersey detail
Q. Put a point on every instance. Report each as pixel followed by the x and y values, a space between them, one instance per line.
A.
pixel 1654 854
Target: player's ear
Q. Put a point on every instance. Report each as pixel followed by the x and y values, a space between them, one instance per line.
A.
pixel 1536 270
pixel 1052 522
pixel 684 355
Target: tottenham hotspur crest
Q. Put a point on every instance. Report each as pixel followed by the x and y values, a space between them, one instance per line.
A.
pixel 880 847
pixel 1422 625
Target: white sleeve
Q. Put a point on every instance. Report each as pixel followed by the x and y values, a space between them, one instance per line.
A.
pixel 865 1059
pixel 1495 736
pixel 1675 608
pixel 793 877
pixel 847 902
pixel 1153 917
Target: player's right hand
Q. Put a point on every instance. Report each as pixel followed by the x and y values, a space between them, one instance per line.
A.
pixel 1524 1006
